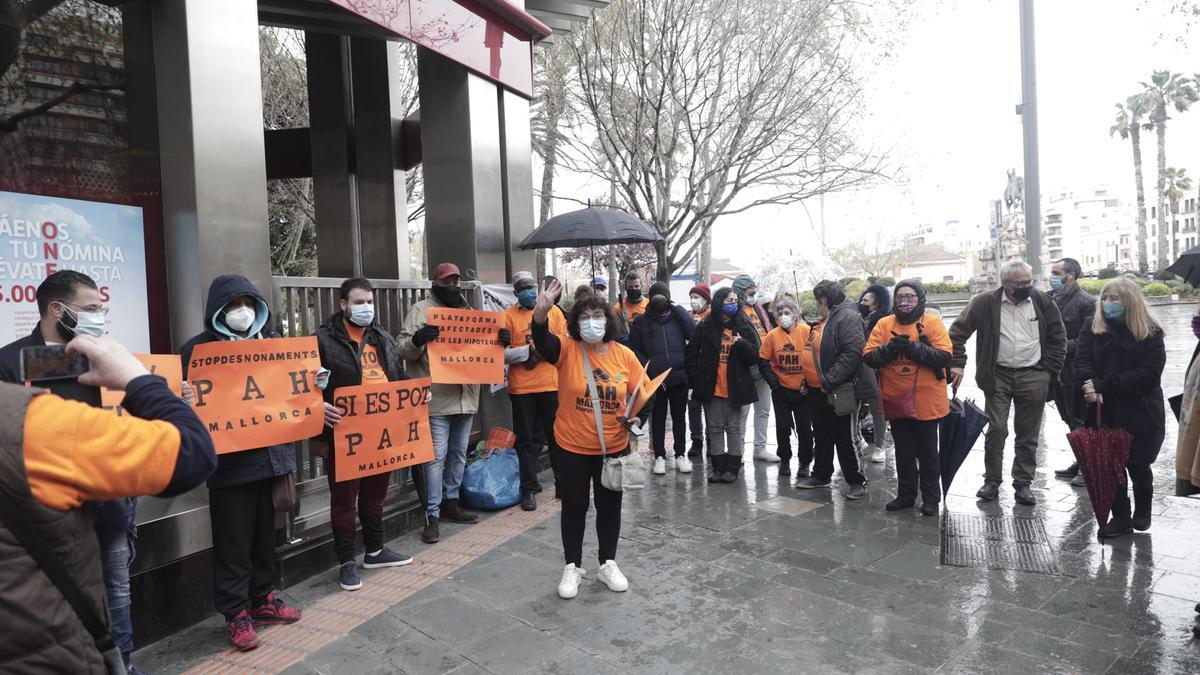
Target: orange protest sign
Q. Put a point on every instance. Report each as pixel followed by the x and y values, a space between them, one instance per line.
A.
pixel 255 393
pixel 642 393
pixel 384 427
pixel 166 366
pixel 468 349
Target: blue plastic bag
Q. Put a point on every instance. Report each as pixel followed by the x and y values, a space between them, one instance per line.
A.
pixel 492 482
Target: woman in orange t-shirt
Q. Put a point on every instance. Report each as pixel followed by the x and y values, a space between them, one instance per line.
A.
pixel 783 354
pixel 616 371
pixel 911 350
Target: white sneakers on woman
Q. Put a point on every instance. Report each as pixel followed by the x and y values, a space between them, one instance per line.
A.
pixel 683 464
pixel 568 587
pixel 660 466
pixel 609 574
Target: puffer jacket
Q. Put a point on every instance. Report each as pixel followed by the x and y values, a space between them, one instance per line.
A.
pixel 661 344
pixel 842 342
pixel 246 466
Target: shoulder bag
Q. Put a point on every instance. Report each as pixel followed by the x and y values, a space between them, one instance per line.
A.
pixel 841 397
pixel 618 473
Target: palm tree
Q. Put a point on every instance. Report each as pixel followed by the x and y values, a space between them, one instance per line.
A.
pixel 1178 184
pixel 1165 88
pixel 1128 125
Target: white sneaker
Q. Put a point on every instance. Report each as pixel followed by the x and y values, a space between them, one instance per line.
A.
pixel 569 586
pixel 766 455
pixel 611 576
pixel 660 466
pixel 683 464
pixel 878 456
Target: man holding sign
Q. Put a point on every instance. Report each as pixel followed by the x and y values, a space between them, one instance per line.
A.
pixel 357 351
pixel 453 406
pixel 240 504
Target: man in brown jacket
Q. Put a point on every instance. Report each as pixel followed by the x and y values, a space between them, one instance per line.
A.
pixel 1020 349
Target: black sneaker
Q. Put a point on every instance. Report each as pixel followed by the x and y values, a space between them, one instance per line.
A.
pixel 900 503
pixel 1068 472
pixel 784 469
pixel 802 471
pixel 1116 527
pixel 988 492
pixel 528 502
pixel 1078 480
pixel 856 491
pixel 697 449
pixel 1023 495
pixel 386 558
pixel 348 577
pixel 812 484
pixel 929 508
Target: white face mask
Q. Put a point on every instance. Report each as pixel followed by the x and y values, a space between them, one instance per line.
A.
pixel 362 315
pixel 87 323
pixel 697 304
pixel 752 300
pixel 240 319
pixel 787 321
pixel 592 330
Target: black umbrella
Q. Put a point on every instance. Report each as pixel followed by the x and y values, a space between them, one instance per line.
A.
pixel 957 433
pixel 593 226
pixel 1188 266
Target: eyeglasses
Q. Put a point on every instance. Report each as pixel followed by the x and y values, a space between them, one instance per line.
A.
pixel 93 309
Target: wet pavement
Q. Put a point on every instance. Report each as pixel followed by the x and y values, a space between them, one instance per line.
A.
pixel 759 577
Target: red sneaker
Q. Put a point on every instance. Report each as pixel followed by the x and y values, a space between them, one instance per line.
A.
pixel 241 632
pixel 274 612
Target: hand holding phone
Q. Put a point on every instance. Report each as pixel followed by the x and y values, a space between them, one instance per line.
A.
pixel 112 365
pixel 47 363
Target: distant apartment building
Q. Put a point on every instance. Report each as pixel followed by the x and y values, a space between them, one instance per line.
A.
pixel 1094 226
pixel 932 262
pixel 1182 233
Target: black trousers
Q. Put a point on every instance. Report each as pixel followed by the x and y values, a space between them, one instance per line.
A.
pixel 533 422
pixel 1142 479
pixel 1068 398
pixel 696 420
pixel 917 459
pixel 243 534
pixel 832 431
pixel 675 400
pixel 792 410
pixel 577 475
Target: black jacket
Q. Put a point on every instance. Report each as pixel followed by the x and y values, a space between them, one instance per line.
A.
pixel 883 302
pixel 246 466
pixel 10 371
pixel 841 354
pixel 339 354
pixel 1077 308
pixel 1129 375
pixel 703 355
pixel 662 344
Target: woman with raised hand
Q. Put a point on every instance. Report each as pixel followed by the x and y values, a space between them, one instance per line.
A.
pixel 588 360
pixel 1119 359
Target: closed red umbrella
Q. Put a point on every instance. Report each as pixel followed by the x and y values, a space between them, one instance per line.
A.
pixel 1102 455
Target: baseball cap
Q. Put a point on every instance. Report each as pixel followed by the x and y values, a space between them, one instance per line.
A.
pixel 444 270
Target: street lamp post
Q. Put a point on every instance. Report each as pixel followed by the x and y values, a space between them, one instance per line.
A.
pixel 1032 202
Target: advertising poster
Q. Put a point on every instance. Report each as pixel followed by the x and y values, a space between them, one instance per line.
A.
pixel 255 393
pixel 41 235
pixel 467 350
pixel 384 427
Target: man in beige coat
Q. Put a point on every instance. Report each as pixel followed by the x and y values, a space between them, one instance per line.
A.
pixel 452 409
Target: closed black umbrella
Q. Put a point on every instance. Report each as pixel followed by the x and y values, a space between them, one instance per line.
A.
pixel 593 226
pixel 1188 266
pixel 957 433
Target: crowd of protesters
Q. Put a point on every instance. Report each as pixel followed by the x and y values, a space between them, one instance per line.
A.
pixel 884 362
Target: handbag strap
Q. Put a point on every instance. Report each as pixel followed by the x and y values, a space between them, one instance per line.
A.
pixel 89 615
pixel 595 396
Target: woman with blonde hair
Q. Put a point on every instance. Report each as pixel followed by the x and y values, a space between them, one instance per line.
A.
pixel 1121 355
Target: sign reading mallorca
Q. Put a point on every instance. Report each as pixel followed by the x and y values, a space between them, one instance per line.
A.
pixel 384 427
pixel 255 393
pixel 166 366
pixel 43 235
pixel 468 349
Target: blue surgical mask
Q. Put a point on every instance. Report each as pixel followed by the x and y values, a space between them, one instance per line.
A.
pixel 729 310
pixel 1056 283
pixel 362 315
pixel 527 298
pixel 1112 310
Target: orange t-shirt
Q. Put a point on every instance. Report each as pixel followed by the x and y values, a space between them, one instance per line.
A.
pixel 617 372
pixel 373 371
pixel 808 364
pixel 543 377
pixel 632 310
pixel 755 321
pixel 722 388
pixel 785 352
pixel 897 377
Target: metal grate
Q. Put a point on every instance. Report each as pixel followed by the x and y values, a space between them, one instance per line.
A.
pixel 996 542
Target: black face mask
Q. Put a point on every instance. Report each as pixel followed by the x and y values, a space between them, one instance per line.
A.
pixel 1023 293
pixel 864 310
pixel 634 294
pixel 450 296
pixel 659 305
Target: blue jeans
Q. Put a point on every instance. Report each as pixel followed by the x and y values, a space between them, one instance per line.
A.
pixel 113 521
pixel 443 475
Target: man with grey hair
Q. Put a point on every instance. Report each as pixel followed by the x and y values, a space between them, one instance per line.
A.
pixel 1019 350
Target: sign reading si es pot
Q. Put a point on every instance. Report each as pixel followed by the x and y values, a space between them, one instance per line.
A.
pixel 467 349
pixel 384 427
pixel 255 393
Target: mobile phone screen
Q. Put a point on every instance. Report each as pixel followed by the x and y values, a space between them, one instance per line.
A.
pixel 51 362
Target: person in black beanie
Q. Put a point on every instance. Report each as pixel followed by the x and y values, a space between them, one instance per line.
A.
pixel 658 338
